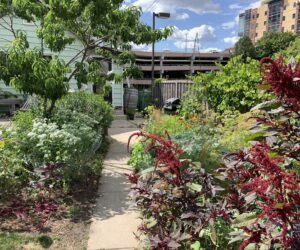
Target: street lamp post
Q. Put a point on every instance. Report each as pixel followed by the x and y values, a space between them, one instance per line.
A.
pixel 162 15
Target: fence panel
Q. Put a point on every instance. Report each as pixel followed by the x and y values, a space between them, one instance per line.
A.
pixel 169 89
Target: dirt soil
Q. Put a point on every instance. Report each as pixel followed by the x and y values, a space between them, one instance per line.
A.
pixel 68 229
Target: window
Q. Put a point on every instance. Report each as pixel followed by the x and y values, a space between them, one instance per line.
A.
pixel 257 15
pixel 274 17
pixel 284 7
pixel 266 13
pixel 28 23
pixel 256 34
pixel 283 18
pixel 265 22
pixel 293 27
pixel 294 15
pixel 47 57
pixel 295 4
pixel 256 25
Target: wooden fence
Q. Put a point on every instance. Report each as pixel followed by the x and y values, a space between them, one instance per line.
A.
pixel 169 89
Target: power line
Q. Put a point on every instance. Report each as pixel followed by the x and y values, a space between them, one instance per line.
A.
pixel 151 6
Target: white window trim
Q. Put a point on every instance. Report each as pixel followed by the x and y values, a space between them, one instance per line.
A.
pixel 28 23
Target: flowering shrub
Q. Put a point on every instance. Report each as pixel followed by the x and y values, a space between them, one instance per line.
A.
pixel 53 144
pixel 91 105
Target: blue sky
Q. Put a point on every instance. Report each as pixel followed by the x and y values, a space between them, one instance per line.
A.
pixel 215 22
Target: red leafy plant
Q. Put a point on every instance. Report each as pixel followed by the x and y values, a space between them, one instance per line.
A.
pixel 177 198
pixel 284 81
pixel 35 204
pixel 265 183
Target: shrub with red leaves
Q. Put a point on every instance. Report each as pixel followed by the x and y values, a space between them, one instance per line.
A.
pixel 284 80
pixel 176 198
pixel 265 180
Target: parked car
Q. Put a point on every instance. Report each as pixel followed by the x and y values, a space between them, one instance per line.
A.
pixel 10 102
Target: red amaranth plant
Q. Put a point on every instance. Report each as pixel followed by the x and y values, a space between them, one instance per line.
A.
pixel 284 80
pixel 167 153
pixel 265 179
pixel 275 194
pixel 176 198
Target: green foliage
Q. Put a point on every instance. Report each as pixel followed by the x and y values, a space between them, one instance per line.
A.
pixel 293 51
pixel 273 42
pixel 95 24
pixel 91 105
pixel 53 144
pixel 10 241
pixel 194 102
pixel 13 175
pixel 68 141
pixel 245 48
pixel 139 160
pixel 23 121
pixel 159 124
pixel 234 87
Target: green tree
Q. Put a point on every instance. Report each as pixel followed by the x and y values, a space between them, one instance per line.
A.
pixel 245 48
pixel 234 87
pixel 273 42
pixel 104 27
pixel 293 51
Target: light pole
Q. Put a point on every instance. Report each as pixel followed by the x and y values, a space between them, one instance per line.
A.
pixel 162 15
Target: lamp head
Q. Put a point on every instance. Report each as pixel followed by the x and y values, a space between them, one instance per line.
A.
pixel 163 15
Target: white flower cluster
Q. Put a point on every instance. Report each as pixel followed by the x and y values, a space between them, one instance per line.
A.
pixel 55 144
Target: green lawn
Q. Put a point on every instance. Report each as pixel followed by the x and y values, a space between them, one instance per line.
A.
pixel 13 241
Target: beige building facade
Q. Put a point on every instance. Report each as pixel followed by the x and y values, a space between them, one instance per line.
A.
pixel 271 16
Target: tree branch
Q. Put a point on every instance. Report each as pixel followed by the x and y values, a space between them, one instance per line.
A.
pixel 12 26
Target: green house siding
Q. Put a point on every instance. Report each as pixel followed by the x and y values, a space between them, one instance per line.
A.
pixel 34 42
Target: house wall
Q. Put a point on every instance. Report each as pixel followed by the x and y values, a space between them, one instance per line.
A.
pixel 34 42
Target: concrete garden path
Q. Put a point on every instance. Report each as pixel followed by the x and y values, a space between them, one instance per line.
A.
pixel 114 222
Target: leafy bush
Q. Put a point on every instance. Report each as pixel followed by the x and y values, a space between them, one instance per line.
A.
pixel 273 42
pixel 66 143
pixel 89 104
pixel 178 201
pixel 233 88
pixel 139 160
pixel 245 48
pixel 158 123
pixel 13 175
pixel 52 144
pixel 194 102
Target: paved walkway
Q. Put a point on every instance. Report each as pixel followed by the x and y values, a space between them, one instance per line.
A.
pixel 114 222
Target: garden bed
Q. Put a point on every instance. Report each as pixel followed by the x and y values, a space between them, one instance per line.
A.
pixel 67 229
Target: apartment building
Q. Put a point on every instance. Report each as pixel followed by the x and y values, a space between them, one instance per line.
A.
pixel 176 65
pixel 270 16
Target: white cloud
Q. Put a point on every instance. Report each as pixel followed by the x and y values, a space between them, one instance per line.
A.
pixel 184 44
pixel 141 47
pixel 231 40
pixel 210 50
pixel 254 5
pixel 228 25
pixel 182 16
pixel 186 37
pixel 196 6
pixel 235 6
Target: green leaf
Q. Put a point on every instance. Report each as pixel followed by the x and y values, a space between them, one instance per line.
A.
pixel 244 220
pixel 196 246
pixel 151 222
pixel 195 187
